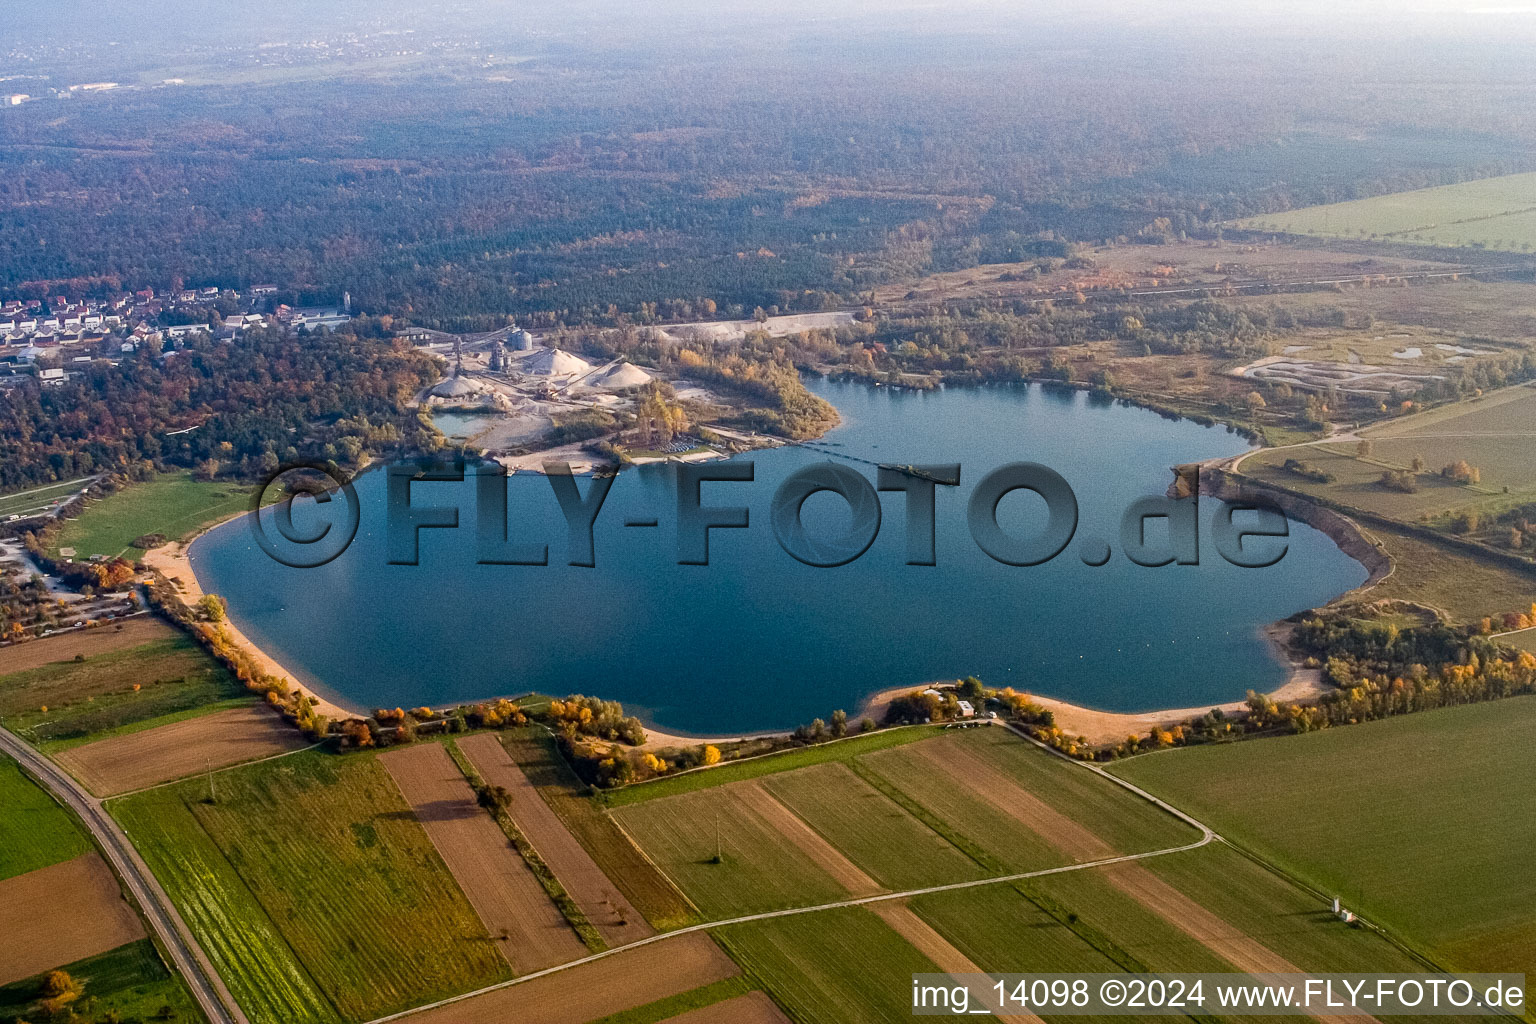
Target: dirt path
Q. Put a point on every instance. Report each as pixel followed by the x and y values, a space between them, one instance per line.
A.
pixel 528 928
pixel 605 906
pixel 937 948
pixel 124 764
pixel 59 914
pixel 806 839
pixel 140 629
pixel 591 991
pixel 751 1008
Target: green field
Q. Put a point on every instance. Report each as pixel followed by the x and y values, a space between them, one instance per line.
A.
pixel 1357 481
pixel 891 846
pixel 34 831
pixel 322 864
pixel 95 697
pixel 130 981
pixel 997 841
pixel 1511 410
pixel 1000 929
pixel 846 966
pixel 1118 816
pixel 760 870
pixel 1494 213
pixel 246 948
pixel 768 764
pixel 1420 822
pixel 657 899
pixel 173 504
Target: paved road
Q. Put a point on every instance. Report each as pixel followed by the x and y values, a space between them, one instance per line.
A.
pixel 203 981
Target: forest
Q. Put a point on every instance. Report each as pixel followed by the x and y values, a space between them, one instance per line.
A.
pixel 586 187
pixel 246 407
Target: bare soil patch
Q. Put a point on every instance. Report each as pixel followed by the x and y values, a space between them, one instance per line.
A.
pixel 600 900
pixel 98 640
pixel 603 987
pixel 827 857
pixel 528 928
pixel 936 947
pixel 123 764
pixel 751 1008
pixel 62 913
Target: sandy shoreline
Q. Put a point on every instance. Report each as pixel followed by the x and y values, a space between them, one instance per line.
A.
pixel 171 561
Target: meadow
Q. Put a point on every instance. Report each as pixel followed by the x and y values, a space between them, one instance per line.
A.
pixel 758 868
pixel 65 703
pixel 174 504
pixel 873 831
pixel 768 764
pixel 334 885
pixel 1493 213
pixel 1357 480
pixel 1428 835
pixel 130 981
pixel 34 831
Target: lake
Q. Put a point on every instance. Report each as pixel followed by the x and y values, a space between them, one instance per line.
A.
pixel 756 640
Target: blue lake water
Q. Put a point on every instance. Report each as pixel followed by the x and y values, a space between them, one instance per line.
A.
pixel 756 640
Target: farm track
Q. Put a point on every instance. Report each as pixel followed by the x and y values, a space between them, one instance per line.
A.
pixel 218 1006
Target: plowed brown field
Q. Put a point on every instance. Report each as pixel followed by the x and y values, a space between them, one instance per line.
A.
pixel 123 764
pixel 59 914
pixel 529 930
pixel 613 915
pixel 592 991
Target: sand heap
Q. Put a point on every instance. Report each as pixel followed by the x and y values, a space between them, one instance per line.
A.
pixel 455 387
pixel 624 375
pixel 552 362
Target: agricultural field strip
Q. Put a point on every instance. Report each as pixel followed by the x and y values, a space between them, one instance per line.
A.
pixel 188 958
pixel 904 921
pixel 752 1008
pixel 493 876
pixel 43 931
pixel 180 750
pixel 826 856
pixel 600 900
pixel 220 770
pixel 1207 836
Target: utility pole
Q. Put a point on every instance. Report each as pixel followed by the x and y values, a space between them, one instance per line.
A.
pixel 719 849
pixel 213 797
